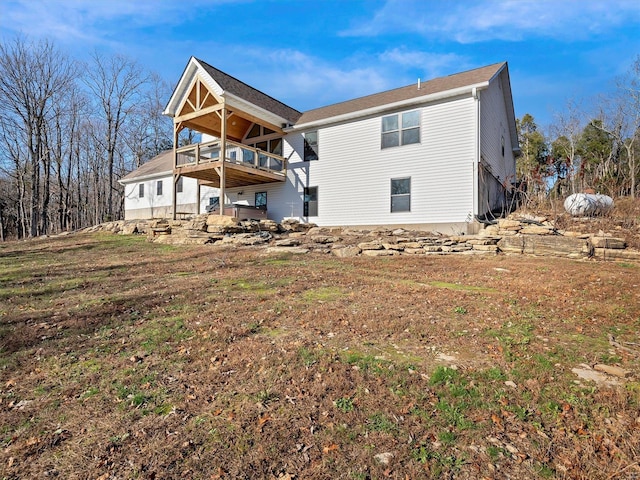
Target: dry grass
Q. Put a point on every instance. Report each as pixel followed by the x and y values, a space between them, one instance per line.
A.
pixel 123 359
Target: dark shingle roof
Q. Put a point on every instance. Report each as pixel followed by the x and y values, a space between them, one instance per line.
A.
pixel 250 94
pixel 430 87
pixel 162 163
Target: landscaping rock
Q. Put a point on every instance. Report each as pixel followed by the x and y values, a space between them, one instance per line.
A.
pixel 608 242
pixel 370 246
pixel 346 252
pixel 555 245
pixel 383 458
pixel 221 220
pixel 511 244
pixel 536 230
pixel 611 370
pixel 323 239
pixel 288 242
pixel 616 254
pixel 379 253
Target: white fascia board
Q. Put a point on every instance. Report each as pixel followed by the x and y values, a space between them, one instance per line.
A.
pixel 185 85
pixel 181 88
pixel 235 101
pixel 143 178
pixel 434 97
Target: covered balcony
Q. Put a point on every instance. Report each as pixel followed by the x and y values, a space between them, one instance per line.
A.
pixel 243 165
pixel 214 103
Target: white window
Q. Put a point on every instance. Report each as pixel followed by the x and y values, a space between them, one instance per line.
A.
pixel 179 185
pixel 159 187
pixel 401 129
pixel 141 190
pixel 401 194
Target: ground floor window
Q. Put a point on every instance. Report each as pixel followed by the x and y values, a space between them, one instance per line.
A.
pixel 401 194
pixel 261 200
pixel 141 190
pixel 159 188
pixel 179 185
pixel 310 202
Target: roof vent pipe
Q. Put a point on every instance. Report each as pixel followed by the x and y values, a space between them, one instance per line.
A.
pixel 418 83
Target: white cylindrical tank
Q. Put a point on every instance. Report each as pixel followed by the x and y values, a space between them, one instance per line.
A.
pixel 588 204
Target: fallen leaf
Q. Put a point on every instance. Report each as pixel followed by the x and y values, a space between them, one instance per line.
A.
pixel 32 441
pixel 330 448
pixel 496 419
pixel 264 419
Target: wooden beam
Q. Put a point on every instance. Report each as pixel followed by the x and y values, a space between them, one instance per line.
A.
pixel 198 113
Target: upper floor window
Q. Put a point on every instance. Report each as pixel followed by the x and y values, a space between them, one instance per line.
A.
pixel 258 130
pixel 311 146
pixel 159 187
pixel 141 190
pixel 401 129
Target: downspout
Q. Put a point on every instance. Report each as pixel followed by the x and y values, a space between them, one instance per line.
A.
pixel 476 161
pixel 175 165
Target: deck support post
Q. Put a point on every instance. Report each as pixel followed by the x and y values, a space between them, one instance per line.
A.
pixel 175 165
pixel 223 155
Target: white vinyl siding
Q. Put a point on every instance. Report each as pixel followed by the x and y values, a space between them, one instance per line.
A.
pixel 495 128
pixel 354 173
pixel 497 168
pixel 154 205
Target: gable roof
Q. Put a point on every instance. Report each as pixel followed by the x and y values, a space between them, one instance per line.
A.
pixel 245 96
pixel 235 92
pixel 157 166
pixel 468 79
pixel 247 92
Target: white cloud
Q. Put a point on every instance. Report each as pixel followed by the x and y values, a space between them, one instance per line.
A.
pixel 472 21
pixel 92 22
pixel 304 81
pixel 427 63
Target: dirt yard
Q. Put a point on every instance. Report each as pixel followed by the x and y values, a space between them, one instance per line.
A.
pixel 123 359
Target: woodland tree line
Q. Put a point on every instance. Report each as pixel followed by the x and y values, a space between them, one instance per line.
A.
pixel 69 130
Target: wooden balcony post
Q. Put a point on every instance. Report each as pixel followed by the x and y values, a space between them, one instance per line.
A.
pixel 223 155
pixel 175 165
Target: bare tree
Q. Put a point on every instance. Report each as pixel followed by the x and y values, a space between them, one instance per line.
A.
pixel 31 74
pixel 567 130
pixel 619 117
pixel 115 83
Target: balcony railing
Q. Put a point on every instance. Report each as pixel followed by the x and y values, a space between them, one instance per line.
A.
pixel 236 153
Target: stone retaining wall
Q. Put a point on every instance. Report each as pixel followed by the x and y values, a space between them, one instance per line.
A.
pixel 513 235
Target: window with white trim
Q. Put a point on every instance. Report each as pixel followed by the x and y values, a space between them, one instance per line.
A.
pixel 159 187
pixel 311 146
pixel 310 208
pixel 401 194
pixel 400 129
pixel 179 185
pixel 261 200
pixel 141 190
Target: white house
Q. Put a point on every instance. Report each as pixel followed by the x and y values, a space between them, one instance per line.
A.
pixel 432 155
pixel 149 190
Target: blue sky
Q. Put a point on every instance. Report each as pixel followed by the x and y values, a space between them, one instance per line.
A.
pixel 313 53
